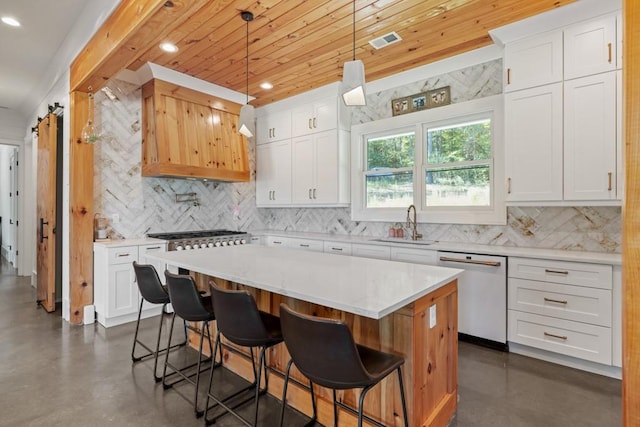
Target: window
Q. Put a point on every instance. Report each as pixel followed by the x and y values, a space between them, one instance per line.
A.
pixel 389 172
pixel 453 174
pixel 458 165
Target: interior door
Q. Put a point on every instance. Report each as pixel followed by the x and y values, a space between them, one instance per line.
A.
pixel 13 209
pixel 46 239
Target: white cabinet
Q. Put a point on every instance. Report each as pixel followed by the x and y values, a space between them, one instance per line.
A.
pixel 116 296
pixel 306 244
pixel 619 138
pixel 338 248
pixel 320 169
pixel 273 127
pixel 533 144
pixel 371 251
pixel 277 241
pixel 590 48
pixel 273 173
pixel 534 61
pixel 562 307
pixel 415 256
pixel 590 138
pixel 315 117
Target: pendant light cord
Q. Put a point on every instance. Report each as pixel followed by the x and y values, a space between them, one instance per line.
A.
pixel 247 62
pixel 354 30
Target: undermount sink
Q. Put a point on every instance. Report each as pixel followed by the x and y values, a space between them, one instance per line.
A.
pixel 405 241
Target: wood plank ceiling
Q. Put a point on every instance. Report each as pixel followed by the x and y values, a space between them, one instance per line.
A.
pixel 300 45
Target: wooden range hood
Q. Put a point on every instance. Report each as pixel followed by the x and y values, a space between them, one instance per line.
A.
pixel 190 134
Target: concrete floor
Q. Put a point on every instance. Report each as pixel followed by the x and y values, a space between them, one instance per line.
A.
pixel 54 374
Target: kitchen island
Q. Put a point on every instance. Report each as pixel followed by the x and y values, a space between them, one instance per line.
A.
pixel 407 309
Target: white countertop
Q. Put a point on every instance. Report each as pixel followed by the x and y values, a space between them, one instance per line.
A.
pixel 367 287
pixel 511 251
pixel 117 243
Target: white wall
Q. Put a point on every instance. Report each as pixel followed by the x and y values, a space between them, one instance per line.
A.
pixel 6 151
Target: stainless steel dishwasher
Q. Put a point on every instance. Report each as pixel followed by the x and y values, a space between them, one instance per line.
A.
pixel 482 297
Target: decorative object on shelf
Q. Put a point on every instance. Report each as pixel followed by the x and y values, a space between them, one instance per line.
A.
pixel 90 132
pixel 421 101
pixel 187 198
pixel 352 88
pixel 247 120
pixel 100 225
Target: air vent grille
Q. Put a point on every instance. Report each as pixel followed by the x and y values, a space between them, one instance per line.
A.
pixel 386 40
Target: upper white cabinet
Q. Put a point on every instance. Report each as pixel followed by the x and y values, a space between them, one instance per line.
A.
pixel 273 173
pixel 315 117
pixel 274 127
pixel 619 137
pixel 320 169
pixel 589 138
pixel 534 61
pixel 533 149
pixel 590 48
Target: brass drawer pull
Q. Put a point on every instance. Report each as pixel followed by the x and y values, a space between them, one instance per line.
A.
pixel 560 337
pixel 471 261
pixel 336 249
pixel 508 185
pixel 302 245
pixel 508 76
pixel 563 272
pixel 557 301
pixel 610 56
pixel 610 186
pixel 122 255
pixel 153 247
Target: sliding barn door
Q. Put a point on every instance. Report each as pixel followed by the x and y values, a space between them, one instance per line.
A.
pixel 46 243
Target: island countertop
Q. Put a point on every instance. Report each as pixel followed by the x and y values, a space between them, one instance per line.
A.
pixel 368 287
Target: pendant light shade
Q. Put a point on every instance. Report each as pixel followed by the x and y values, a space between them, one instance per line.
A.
pixel 352 88
pixel 247 119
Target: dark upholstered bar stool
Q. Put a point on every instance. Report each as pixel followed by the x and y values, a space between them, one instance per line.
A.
pixel 152 292
pixel 191 306
pixel 325 352
pixel 240 321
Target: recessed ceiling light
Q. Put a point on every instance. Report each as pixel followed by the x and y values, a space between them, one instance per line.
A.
pixel 11 21
pixel 266 85
pixel 169 47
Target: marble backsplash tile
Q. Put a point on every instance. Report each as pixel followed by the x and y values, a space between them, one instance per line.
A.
pixel 147 205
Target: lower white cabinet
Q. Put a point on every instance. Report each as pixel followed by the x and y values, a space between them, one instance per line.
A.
pixel 116 295
pixel 371 251
pixel 306 244
pixel 338 248
pixel 415 256
pixel 562 307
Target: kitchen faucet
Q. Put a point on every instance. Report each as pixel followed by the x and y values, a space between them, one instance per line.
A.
pixel 414 230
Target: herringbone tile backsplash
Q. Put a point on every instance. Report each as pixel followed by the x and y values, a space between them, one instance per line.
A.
pixel 147 205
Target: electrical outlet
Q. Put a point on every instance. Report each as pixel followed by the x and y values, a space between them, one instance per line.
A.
pixel 432 316
pixel 115 218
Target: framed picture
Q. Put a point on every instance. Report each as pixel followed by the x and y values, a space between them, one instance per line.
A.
pixel 401 105
pixel 439 97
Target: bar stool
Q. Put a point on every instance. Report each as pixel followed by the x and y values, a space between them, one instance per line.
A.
pixel 240 321
pixel 325 352
pixel 191 306
pixel 152 292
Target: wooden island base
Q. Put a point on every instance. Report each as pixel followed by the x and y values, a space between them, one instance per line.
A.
pixel 431 358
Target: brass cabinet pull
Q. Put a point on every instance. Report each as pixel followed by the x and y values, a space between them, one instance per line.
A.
pixel 310 123
pixel 610 55
pixel 309 193
pixel 314 193
pixel 302 245
pixel 508 185
pixel 508 76
pixel 336 249
pixel 270 135
pixel 561 337
pixel 610 177
pixel 122 255
pixel 563 272
pixel 153 247
pixel 554 300
pixel 275 242
pixel 274 194
pixel 274 132
pixel 315 122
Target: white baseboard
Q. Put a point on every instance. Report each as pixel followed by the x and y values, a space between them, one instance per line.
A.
pixel 34 279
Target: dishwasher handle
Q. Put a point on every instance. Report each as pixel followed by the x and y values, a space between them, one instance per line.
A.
pixel 471 261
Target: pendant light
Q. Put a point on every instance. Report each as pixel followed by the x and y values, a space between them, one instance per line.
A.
pixel 90 131
pixel 352 89
pixel 247 121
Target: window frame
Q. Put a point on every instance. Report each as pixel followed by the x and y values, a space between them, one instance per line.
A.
pixel 419 122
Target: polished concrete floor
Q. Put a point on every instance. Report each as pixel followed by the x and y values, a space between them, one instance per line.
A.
pixel 54 374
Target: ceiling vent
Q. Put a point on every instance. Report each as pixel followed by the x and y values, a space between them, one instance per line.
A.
pixel 386 40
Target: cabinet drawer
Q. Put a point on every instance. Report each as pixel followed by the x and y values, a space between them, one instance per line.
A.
pixel 574 339
pixel 277 241
pixel 577 303
pixel 123 255
pixel 416 256
pixel 571 273
pixel 307 245
pixel 340 248
pixel 371 251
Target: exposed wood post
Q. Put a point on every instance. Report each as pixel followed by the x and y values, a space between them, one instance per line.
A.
pixel 631 217
pixel 80 211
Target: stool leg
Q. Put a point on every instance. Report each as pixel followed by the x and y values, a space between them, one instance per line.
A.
pixel 260 362
pixel 404 404
pixel 166 356
pixel 284 391
pixel 313 403
pixel 135 336
pixel 198 412
pixel 335 409
pixel 155 362
pixel 361 406
pixel 215 351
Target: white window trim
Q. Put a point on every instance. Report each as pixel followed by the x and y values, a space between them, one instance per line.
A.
pixel 496 214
